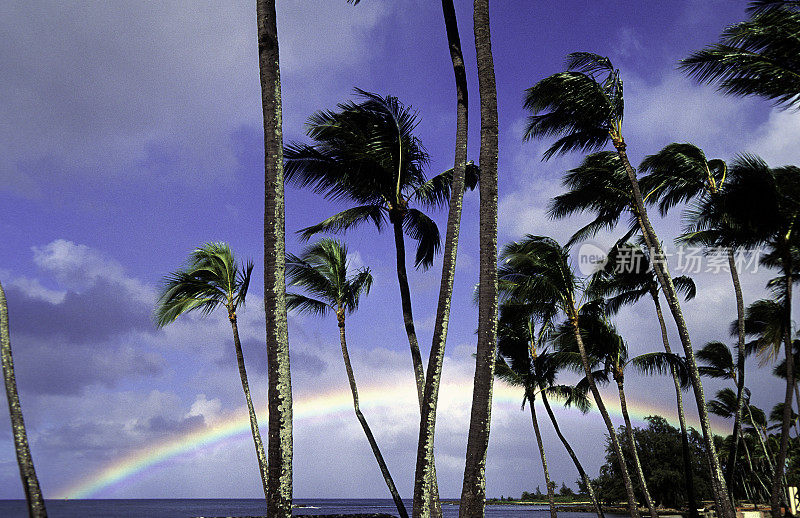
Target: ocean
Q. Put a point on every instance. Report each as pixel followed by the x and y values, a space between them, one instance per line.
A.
pixel 178 508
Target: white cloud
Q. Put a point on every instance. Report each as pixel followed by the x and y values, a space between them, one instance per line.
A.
pixel 776 141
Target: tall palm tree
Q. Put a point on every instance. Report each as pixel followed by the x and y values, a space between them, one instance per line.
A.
pixel 473 490
pixel 537 270
pixel 367 153
pixel 680 172
pixel 211 279
pixel 523 362
pixel 626 278
pixel 584 107
pixel 772 224
pixel 322 270
pixel 279 445
pixel 606 347
pixel 30 483
pixel 755 57
pixel 424 472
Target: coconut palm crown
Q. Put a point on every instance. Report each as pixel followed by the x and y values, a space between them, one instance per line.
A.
pixel 211 277
pixel 322 271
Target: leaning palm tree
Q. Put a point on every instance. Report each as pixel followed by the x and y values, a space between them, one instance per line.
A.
pixel 212 278
pixel 772 224
pixel 755 57
pixel 523 362
pixel 279 446
pixel 680 172
pixel 424 472
pixel 626 278
pixel 607 348
pixel 473 489
pixel 537 270
pixel 322 271
pixel 30 483
pixel 584 107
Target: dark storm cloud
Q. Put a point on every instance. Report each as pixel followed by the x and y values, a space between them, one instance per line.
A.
pixel 100 312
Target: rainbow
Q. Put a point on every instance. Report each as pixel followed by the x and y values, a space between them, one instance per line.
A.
pixel 237 426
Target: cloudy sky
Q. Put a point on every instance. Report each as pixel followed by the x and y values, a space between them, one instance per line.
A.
pixel 132 133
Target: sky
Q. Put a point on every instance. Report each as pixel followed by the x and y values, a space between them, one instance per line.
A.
pixel 132 133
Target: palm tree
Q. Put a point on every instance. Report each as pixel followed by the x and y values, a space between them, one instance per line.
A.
pixel 33 493
pixel 584 107
pixel 771 223
pixel 424 472
pixel 279 446
pixel 520 363
pixel 473 490
pixel 367 153
pixel 606 347
pixel 626 278
pixel 322 270
pixel 680 172
pixel 537 271
pixel 755 57
pixel 210 279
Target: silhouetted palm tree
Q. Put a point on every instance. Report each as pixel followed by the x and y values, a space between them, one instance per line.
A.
pixel 770 223
pixel 30 483
pixel 584 107
pixel 680 172
pixel 473 489
pixel 279 395
pixel 607 348
pixel 322 271
pixel 626 278
pixel 755 57
pixel 211 279
pixel 536 270
pixel 524 362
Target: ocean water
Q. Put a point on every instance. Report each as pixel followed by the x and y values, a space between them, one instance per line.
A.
pixel 168 508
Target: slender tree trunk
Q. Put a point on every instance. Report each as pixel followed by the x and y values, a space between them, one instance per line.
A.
pixel 688 472
pixel 632 447
pixel 416 358
pixel 574 457
pixel 262 458
pixel 737 420
pixel 550 496
pixel 424 476
pixel 33 493
pixel 398 502
pixel 633 508
pixel 780 462
pixel 767 453
pixel 279 444
pixel 668 288
pixel 473 491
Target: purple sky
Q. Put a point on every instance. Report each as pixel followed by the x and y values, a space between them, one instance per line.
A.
pixel 132 133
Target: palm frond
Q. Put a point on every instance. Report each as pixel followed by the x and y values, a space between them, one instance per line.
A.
pixel 435 192
pixel 345 220
pixel 423 229
pixel 305 304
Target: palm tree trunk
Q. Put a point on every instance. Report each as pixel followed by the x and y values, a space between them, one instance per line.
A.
pixel 279 445
pixel 574 457
pixel 33 493
pixel 424 476
pixel 632 447
pixel 626 479
pixel 767 453
pixel 665 280
pixel 473 491
pixel 688 472
pixel 737 420
pixel 262 459
pixel 550 496
pixel 775 496
pixel 416 357
pixel 398 502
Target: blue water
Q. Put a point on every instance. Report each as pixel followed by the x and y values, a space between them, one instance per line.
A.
pixel 166 508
